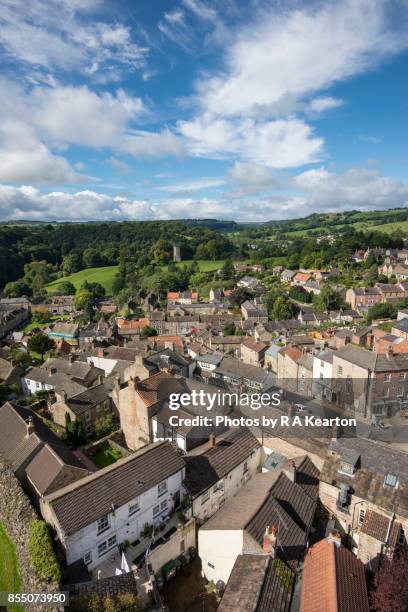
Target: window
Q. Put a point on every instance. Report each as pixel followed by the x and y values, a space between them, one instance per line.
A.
pixel 386 392
pixel 210 565
pixel 361 516
pixel 156 510
pixel 340 370
pixel 402 376
pixel 391 480
pixel 163 505
pixel 162 488
pixel 387 377
pixel 103 524
pixel 400 392
pixel 103 547
pixel 134 507
pixel 205 497
pixel 88 557
pixel 401 537
pixel 245 467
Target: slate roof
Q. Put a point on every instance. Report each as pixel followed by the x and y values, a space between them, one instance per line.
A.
pixel 116 485
pixel 84 401
pixel 376 362
pixel 270 499
pixel 255 586
pixel 376 461
pixel 17 448
pixel 401 325
pixel 203 471
pixel 333 579
pixel 48 472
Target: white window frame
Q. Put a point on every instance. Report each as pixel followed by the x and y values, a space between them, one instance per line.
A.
pixel 103 524
pixel 205 497
pixel 134 507
pixel 361 516
pixel 162 488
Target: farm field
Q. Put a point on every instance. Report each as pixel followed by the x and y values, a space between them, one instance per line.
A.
pixel 105 276
pixel 9 573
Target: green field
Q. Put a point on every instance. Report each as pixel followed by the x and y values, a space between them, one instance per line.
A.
pixel 9 573
pixel 104 276
pixel 205 265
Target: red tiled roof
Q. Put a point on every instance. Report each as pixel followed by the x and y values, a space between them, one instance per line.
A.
pixel 333 579
pixel 377 525
pixel 302 276
pixel 292 352
pixel 132 324
pixel 173 295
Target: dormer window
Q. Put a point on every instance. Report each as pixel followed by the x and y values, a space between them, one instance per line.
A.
pixel 348 462
pixel 391 480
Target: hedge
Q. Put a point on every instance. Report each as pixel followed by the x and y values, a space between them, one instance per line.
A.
pixel 42 553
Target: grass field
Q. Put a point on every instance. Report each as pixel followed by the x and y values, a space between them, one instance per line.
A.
pixel 105 276
pixel 105 455
pixel 9 573
pixel 205 265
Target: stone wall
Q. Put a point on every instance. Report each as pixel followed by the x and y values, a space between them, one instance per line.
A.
pixel 16 514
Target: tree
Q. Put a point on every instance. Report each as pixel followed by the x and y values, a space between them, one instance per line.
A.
pixel 229 329
pixel 41 314
pixel 282 309
pixel 65 288
pixel 239 296
pixel 328 299
pixel 391 585
pixel 95 289
pixel 17 289
pixel 381 311
pixel 83 300
pixel 104 425
pixel 300 294
pixel 147 332
pixel 227 270
pixel 37 274
pixel 92 258
pixel 162 251
pixel 71 263
pixel 40 343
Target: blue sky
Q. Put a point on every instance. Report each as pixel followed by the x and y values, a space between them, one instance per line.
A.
pixel 247 110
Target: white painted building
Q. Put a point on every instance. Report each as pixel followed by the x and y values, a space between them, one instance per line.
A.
pixel 217 474
pixel 94 515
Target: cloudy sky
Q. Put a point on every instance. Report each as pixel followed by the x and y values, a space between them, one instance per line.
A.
pixel 241 109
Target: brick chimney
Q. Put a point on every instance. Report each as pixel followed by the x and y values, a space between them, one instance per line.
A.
pixel 101 352
pixel 211 440
pixel 30 426
pixel 270 540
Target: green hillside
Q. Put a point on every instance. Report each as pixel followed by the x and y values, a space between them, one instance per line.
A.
pixel 105 276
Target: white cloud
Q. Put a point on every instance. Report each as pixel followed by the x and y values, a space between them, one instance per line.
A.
pixel 273 70
pixel 318 190
pixel 277 143
pixel 369 139
pixel 152 144
pixel 358 188
pixel 52 34
pixel 78 115
pixel 299 52
pixel 187 188
pixel 324 103
pixel 251 178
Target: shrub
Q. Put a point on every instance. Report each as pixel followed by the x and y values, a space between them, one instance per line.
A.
pixel 42 554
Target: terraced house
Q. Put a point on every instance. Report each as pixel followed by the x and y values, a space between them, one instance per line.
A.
pixel 144 488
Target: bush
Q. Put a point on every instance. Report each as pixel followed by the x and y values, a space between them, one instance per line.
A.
pixel 104 426
pixel 42 554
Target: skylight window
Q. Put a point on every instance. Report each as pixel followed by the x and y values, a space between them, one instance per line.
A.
pixel 391 480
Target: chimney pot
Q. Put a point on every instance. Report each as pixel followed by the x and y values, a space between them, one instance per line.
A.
pixel 212 440
pixel 30 426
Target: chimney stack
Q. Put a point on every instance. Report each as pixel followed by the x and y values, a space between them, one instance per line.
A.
pixel 30 426
pixel 291 470
pixel 270 540
pixel 212 440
